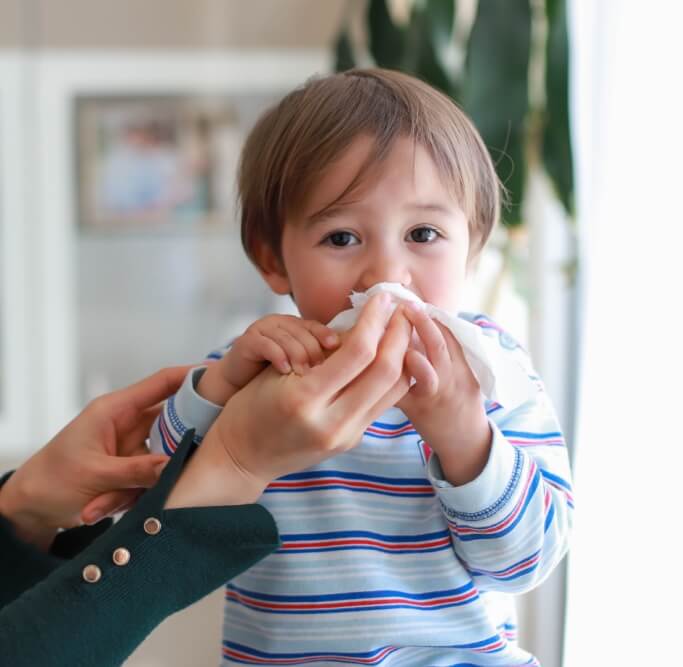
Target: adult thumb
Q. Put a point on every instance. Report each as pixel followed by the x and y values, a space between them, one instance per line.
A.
pixel 131 472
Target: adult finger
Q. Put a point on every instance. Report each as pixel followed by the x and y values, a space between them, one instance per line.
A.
pixel 355 355
pixel 391 398
pixel 108 503
pixel 152 389
pixel 132 442
pixel 374 383
pixel 129 472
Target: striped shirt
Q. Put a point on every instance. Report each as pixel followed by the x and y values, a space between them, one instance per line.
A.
pixel 383 562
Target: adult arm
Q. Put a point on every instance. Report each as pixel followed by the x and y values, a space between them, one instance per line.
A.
pixel 92 611
pixel 274 426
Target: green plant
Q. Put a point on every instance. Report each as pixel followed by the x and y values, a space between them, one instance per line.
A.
pixel 508 69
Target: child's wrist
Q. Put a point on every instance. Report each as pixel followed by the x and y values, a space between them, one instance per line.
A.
pixel 213 387
pixel 464 457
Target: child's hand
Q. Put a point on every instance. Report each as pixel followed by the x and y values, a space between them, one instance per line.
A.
pixel 287 342
pixel 445 403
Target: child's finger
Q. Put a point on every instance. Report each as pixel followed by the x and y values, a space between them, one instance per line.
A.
pixel 433 339
pixel 293 347
pixel 269 350
pixel 327 337
pixel 426 378
pixel 314 351
pixel 454 348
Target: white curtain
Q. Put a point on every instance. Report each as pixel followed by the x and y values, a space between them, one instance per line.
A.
pixel 626 565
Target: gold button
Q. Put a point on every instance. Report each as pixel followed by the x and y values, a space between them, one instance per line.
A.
pixel 121 556
pixel 92 574
pixel 152 526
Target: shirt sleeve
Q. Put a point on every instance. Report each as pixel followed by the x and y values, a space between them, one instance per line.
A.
pixel 510 526
pixel 183 411
pixel 96 608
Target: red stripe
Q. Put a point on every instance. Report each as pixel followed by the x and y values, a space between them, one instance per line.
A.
pixel 170 441
pixel 350 604
pixel 354 542
pixel 345 482
pixel 382 431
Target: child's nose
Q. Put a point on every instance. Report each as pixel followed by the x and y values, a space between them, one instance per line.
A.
pixel 385 269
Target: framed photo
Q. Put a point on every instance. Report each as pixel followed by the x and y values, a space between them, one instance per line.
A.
pixel 154 162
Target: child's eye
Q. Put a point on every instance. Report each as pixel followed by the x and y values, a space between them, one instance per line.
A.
pixel 423 234
pixel 340 239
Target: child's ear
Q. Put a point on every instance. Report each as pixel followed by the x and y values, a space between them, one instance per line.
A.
pixel 272 269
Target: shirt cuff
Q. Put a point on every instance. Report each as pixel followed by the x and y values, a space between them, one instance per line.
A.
pixel 192 410
pixel 487 493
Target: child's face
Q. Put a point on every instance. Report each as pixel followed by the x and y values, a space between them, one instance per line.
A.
pixel 400 225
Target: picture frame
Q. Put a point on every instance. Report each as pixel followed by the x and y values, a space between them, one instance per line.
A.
pixel 154 162
pixel 52 225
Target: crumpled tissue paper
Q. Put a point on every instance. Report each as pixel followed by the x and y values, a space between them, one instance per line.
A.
pixel 501 374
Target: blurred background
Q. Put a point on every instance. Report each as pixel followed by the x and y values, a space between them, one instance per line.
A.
pixel 120 128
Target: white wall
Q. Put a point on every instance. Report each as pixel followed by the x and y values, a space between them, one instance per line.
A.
pixel 624 581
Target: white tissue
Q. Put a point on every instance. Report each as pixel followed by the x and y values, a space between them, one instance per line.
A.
pixel 500 373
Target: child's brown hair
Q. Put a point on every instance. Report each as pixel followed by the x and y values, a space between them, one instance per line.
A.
pixel 296 140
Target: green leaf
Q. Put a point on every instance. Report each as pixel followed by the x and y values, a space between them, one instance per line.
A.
pixel 557 148
pixel 426 64
pixel 386 40
pixel 343 52
pixel 440 15
pixel 495 91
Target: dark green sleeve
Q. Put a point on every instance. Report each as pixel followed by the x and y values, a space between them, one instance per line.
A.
pixel 23 565
pixel 64 620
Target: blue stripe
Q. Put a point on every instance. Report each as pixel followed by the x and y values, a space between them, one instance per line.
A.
pixel 366 547
pixel 556 479
pixel 549 518
pixel 347 597
pixel 364 654
pixel 395 427
pixel 264 654
pixel 533 436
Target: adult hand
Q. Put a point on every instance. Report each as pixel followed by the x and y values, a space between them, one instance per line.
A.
pixel 279 424
pixel 96 465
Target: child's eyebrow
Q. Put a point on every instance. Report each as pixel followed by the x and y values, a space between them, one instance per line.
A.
pixel 332 211
pixel 327 213
pixel 430 207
